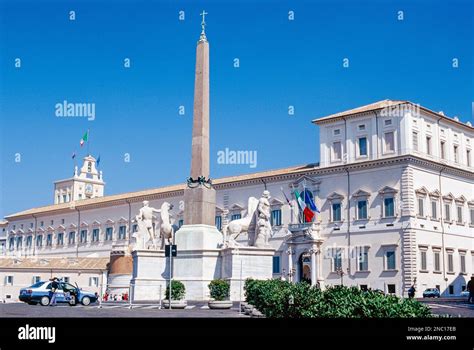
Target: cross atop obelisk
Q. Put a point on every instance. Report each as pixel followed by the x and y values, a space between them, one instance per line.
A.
pixel 199 196
pixel 203 26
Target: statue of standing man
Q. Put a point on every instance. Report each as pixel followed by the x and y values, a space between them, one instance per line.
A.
pixel 145 226
pixel 264 227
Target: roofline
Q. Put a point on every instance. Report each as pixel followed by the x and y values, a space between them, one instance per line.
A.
pixel 437 114
pixel 178 190
pixel 165 190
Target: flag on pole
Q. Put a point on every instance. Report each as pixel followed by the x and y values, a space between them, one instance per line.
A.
pixel 300 201
pixel 310 202
pixel 307 213
pixel 84 138
pixel 287 200
pixel 98 160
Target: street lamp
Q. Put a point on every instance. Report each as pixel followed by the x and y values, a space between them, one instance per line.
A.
pixel 291 273
pixel 341 273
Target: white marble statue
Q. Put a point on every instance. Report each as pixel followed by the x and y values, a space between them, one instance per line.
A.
pixel 238 226
pixel 264 227
pixel 166 227
pixel 295 211
pixel 146 231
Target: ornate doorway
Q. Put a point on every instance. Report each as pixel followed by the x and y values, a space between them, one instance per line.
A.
pixel 304 267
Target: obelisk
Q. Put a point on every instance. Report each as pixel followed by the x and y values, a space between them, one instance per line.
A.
pixel 199 232
pixel 199 196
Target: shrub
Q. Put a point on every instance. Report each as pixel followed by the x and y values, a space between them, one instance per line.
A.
pixel 275 298
pixel 178 291
pixel 219 289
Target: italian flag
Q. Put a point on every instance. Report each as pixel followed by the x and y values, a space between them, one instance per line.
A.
pixel 84 138
pixel 307 212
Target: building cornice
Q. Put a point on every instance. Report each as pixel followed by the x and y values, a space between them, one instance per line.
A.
pixel 288 174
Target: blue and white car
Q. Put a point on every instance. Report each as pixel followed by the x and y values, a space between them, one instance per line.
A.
pixel 40 293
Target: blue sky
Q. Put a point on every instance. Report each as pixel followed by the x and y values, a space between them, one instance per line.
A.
pixel 282 63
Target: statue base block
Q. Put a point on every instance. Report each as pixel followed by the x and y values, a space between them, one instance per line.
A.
pixel 150 275
pixel 240 263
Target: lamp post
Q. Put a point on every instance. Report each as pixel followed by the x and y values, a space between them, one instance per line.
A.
pixel 341 273
pixel 291 273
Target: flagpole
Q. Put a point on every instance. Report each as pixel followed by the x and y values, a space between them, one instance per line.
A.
pixel 88 142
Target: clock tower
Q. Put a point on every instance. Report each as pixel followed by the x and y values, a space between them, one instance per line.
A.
pixel 86 183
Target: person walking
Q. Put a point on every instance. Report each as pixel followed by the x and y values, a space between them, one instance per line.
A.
pixel 54 288
pixel 470 289
pixel 411 292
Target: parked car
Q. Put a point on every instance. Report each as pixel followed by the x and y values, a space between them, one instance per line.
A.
pixel 40 292
pixel 465 293
pixel 431 293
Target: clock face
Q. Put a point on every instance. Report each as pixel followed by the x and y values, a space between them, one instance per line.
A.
pixel 89 188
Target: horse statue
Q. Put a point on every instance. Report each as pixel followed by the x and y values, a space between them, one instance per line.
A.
pixel 166 228
pixel 238 226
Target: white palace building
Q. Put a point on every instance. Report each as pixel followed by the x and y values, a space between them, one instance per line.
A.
pixel 394 187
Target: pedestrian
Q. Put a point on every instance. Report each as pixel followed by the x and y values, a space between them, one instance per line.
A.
pixel 411 292
pixel 470 289
pixel 54 288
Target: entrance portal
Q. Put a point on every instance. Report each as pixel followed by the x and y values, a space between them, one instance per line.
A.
pixel 304 267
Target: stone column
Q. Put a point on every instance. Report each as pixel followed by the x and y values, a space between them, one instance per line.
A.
pixel 319 257
pixel 313 265
pixel 290 263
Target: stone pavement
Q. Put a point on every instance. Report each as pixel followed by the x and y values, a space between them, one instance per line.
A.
pixel 115 309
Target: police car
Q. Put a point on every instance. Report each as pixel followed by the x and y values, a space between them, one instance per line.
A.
pixel 41 293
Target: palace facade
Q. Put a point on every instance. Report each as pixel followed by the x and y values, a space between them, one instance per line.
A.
pixel 394 189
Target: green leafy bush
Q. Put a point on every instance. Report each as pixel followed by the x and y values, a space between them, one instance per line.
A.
pixel 219 289
pixel 278 299
pixel 178 291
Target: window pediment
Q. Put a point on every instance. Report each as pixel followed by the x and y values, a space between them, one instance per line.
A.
pixel 435 194
pixel 335 197
pixel 84 224
pixel 50 228
pixel 122 220
pixel 388 190
pixel 61 227
pixel 470 203
pixel 449 197
pixel 461 200
pixel 276 202
pixel 96 223
pixel 72 226
pixel 423 191
pixel 361 194
pixel 305 180
pixel 110 222
pixel 236 207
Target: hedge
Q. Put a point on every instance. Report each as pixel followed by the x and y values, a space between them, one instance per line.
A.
pixel 282 299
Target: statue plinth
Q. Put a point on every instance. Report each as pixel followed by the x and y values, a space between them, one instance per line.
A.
pixel 150 275
pixel 241 263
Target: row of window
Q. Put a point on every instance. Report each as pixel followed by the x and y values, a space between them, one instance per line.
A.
pixel 388 209
pixel 447 206
pixel 362 259
pixel 71 238
pixel 442 149
pixel 437 262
